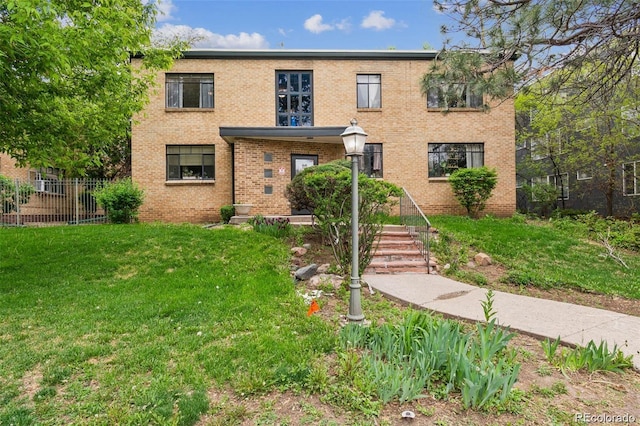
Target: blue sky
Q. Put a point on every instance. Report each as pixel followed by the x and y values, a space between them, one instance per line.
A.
pixel 304 24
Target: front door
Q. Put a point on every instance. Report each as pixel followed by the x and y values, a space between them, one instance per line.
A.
pixel 300 162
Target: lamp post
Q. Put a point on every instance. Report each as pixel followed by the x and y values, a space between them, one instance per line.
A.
pixel 354 138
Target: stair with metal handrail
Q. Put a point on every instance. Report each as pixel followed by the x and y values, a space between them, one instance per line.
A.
pixel 405 247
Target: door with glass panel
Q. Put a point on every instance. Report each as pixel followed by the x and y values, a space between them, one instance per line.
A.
pixel 299 162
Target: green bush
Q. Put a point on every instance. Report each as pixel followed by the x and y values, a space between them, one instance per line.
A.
pixel 9 200
pixel 121 200
pixel 326 192
pixel 472 187
pixel 227 212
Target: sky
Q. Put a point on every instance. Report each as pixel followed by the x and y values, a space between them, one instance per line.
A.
pixel 304 24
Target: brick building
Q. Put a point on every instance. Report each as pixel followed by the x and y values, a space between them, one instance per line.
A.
pixel 234 127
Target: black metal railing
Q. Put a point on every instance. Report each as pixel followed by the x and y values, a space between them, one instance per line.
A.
pixel 419 227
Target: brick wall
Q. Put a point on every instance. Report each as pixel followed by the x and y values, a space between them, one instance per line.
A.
pixel 244 91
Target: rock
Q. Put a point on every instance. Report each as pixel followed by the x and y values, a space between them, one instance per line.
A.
pixel 306 272
pixel 307 246
pixel 482 259
pixel 326 279
pixel 324 268
pixel 471 264
pixel 299 251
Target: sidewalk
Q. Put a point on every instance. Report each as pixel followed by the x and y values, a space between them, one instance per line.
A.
pixel 574 324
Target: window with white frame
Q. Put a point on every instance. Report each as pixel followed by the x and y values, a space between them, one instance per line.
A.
pixel 561 182
pixel 520 181
pixel 583 175
pixel 371 161
pixel 189 90
pixel 186 162
pixel 630 178
pixel 369 90
pixel 453 95
pixel 446 158
pixel 538 149
pixel 47 180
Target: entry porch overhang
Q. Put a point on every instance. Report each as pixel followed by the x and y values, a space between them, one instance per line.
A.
pixel 327 134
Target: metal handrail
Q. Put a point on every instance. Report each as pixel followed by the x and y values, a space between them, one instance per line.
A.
pixel 419 227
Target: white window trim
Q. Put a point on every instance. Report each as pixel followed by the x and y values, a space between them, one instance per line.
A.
pixel 584 176
pixel 636 179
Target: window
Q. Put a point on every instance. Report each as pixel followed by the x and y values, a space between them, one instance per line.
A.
pixel 189 90
pixel 46 180
pixel 445 158
pixel 538 149
pixel 582 175
pixel 371 161
pixel 369 86
pixel 630 178
pixel 190 162
pixel 561 182
pixel 520 181
pixel 453 95
pixel 294 98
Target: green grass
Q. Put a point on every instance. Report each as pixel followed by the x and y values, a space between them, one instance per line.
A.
pixel 133 324
pixel 545 256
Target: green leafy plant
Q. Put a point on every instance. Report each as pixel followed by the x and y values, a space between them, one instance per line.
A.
pixel 325 191
pixel 472 187
pixel 423 353
pixel 278 227
pixel 227 212
pixel 121 200
pixel 11 197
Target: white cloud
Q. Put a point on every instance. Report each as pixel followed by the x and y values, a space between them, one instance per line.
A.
pixel 316 26
pixel 344 25
pixel 377 21
pixel 207 39
pixel 165 10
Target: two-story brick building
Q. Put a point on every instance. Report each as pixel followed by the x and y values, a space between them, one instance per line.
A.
pixel 234 127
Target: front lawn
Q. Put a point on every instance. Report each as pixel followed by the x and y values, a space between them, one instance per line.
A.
pixel 133 324
pixel 539 254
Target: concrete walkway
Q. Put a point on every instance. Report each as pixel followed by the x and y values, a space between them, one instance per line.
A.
pixel 575 324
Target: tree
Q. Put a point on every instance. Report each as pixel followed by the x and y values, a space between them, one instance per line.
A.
pixel 592 136
pixel 545 35
pixel 67 88
pixel 472 187
pixel 325 191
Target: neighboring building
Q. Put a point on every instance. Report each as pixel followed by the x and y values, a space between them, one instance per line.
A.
pixel 606 180
pixel 235 126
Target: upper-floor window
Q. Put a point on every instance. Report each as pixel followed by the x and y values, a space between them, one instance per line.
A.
pixel 371 161
pixel 630 178
pixel 453 95
pixel 190 162
pixel 189 90
pixel 446 158
pixel 369 93
pixel 294 98
pixel 583 175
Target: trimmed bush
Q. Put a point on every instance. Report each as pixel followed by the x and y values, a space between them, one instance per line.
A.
pixel 472 187
pixel 226 213
pixel 121 200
